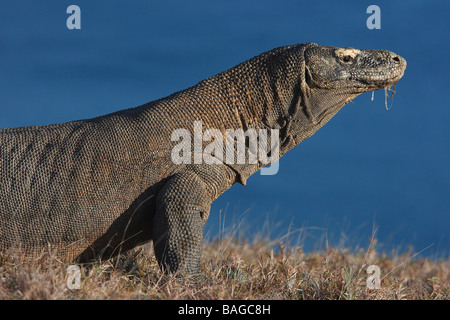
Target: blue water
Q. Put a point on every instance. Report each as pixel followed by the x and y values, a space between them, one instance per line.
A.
pixel 368 169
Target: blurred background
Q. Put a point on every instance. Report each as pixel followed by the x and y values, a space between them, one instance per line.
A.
pixel 368 173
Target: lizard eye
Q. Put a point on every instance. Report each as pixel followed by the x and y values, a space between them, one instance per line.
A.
pixel 347 59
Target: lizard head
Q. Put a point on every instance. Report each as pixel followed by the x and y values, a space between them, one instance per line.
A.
pixel 351 70
pixel 330 77
pixel 334 76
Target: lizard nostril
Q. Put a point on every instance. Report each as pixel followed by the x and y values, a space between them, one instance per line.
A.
pixel 396 59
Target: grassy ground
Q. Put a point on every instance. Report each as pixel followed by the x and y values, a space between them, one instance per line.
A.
pixel 233 270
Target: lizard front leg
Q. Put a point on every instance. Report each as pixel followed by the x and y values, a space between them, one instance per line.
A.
pixel 182 208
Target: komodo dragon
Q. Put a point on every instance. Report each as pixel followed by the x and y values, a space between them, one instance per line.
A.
pixel 97 187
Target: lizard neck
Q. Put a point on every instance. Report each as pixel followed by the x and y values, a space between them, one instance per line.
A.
pixel 263 93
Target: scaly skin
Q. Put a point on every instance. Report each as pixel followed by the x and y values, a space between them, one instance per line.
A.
pixel 98 187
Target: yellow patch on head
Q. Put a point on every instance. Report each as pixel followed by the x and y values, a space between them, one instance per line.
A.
pixel 342 52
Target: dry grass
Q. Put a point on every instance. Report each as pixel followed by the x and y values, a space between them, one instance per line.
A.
pixel 232 270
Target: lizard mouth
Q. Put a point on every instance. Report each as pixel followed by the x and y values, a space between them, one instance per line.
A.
pixel 385 82
pixel 374 80
pixel 391 77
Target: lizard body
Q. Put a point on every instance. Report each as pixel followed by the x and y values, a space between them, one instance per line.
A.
pixel 97 187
